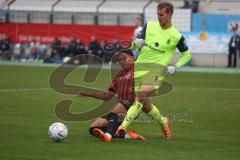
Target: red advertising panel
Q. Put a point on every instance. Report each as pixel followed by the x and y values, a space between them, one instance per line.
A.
pixel 45 33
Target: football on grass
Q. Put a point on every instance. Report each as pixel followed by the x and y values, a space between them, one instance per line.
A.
pixel 57 132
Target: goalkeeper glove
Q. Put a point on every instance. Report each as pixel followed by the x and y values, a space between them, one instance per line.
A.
pixel 171 70
pixel 139 42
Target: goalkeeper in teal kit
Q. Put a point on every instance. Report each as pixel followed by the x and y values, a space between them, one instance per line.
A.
pixel 157 44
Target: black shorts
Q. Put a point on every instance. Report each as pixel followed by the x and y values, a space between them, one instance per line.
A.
pixel 127 103
pixel 106 116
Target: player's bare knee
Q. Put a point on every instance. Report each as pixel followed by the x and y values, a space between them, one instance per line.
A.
pixel 99 123
pixel 140 99
pixel 145 110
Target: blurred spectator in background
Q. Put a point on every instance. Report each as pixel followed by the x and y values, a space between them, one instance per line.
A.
pixel 72 48
pixel 100 52
pixel 195 6
pixel 57 46
pixel 93 48
pixel 138 27
pixel 35 50
pixel 54 57
pixel 110 48
pixel 113 59
pixel 186 4
pixel 137 31
pixel 233 48
pixel 81 49
pixel 5 48
pixel 18 51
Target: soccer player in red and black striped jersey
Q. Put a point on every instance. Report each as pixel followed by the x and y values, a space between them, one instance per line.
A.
pixel 122 86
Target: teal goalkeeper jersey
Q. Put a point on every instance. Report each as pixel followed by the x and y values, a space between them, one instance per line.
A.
pixel 162 44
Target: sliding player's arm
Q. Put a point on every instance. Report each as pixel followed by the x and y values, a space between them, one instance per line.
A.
pixel 98 95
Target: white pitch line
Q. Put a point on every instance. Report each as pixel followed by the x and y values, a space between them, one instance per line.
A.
pixel 176 89
pixel 23 89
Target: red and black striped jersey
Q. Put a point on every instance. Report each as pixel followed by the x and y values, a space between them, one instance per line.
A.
pixel 123 85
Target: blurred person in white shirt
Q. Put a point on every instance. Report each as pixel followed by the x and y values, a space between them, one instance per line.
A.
pixel 138 27
pixel 137 31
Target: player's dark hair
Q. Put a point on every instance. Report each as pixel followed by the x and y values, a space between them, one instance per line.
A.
pixel 166 5
pixel 126 51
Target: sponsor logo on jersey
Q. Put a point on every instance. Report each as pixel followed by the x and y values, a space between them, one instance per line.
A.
pixel 156 49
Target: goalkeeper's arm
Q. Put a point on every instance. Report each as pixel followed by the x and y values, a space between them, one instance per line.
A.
pixel 186 56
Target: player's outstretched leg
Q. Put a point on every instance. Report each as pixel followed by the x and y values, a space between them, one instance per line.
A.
pixel 99 132
pixel 130 135
pixel 101 135
pixel 133 135
pixel 110 129
pixel 166 129
pixel 132 113
pixel 163 121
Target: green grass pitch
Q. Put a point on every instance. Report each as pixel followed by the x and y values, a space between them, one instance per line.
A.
pixel 204 109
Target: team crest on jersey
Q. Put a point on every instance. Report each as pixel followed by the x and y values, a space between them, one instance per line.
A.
pixel 156 44
pixel 169 41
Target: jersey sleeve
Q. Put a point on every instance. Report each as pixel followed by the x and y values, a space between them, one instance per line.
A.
pixel 186 56
pixel 111 87
pixel 182 45
pixel 183 48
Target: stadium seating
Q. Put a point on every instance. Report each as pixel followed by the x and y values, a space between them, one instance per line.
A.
pixel 32 5
pixel 220 7
pixel 4 4
pixel 124 6
pixel 100 13
pixel 77 6
pixel 110 12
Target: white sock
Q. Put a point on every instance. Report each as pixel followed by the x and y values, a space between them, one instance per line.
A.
pixel 127 136
pixel 108 134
